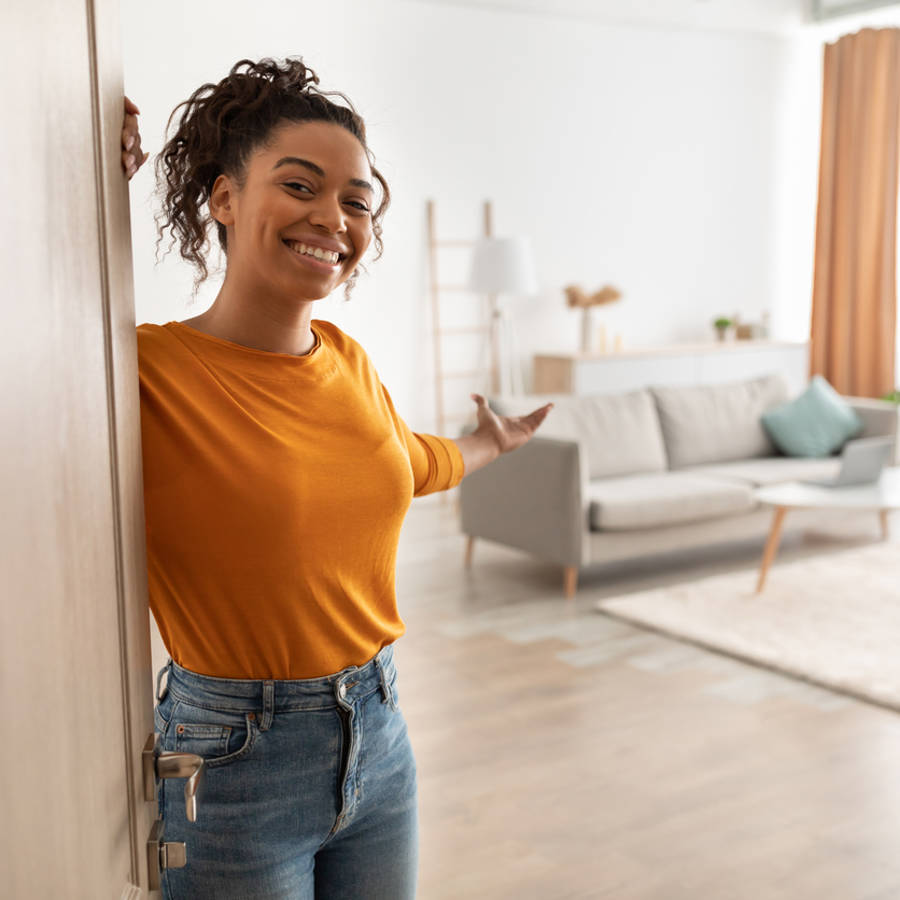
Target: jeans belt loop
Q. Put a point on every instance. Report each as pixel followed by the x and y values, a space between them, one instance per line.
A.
pixel 268 705
pixel 388 694
pixel 163 671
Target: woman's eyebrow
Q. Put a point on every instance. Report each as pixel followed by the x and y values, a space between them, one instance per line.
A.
pixel 297 161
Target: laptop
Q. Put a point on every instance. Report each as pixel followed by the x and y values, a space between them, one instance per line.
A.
pixel 862 462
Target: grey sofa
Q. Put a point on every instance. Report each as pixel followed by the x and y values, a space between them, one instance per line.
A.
pixel 616 476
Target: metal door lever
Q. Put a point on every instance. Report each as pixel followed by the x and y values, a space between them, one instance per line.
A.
pixel 159 763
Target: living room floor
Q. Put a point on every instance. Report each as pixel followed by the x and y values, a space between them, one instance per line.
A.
pixel 562 754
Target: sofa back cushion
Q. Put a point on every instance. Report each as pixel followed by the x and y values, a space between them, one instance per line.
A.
pixel 720 422
pixel 620 432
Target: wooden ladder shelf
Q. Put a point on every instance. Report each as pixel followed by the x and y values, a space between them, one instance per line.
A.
pixel 442 377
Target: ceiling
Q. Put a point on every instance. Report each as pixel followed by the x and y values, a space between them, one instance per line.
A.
pixel 769 16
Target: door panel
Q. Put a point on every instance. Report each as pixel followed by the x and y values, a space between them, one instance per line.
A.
pixel 74 642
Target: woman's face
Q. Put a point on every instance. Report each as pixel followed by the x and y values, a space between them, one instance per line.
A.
pixel 302 220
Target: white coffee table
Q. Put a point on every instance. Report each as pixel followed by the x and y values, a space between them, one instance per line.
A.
pixel 881 497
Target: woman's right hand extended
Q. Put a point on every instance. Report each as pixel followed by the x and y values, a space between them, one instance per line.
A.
pixel 132 155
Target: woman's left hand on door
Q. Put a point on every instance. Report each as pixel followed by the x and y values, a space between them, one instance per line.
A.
pixel 133 157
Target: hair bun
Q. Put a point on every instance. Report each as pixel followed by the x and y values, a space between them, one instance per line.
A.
pixel 291 75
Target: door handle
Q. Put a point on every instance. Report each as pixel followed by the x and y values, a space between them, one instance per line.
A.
pixel 159 763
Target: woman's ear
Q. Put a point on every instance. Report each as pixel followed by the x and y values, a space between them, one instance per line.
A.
pixel 220 199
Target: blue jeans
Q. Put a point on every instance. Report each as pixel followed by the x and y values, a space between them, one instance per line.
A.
pixel 310 790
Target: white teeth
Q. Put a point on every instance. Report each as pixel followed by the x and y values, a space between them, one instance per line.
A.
pixel 328 256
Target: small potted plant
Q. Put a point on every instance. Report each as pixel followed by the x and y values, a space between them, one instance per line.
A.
pixel 722 326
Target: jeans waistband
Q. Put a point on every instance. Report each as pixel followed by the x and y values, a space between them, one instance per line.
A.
pixel 281 695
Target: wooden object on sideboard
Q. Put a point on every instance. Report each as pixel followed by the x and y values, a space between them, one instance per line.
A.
pixel 678 364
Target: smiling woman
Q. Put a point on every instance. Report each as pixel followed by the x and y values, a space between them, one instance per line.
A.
pixel 276 477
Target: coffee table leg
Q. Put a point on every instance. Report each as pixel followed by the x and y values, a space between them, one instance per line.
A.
pixel 771 546
pixel 885 528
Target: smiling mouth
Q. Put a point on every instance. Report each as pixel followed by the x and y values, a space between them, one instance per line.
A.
pixel 330 257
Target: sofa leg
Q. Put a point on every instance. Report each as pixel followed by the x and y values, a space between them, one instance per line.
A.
pixel 570 581
pixel 470 549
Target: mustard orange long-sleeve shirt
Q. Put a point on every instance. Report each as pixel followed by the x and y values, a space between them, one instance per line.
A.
pixel 275 487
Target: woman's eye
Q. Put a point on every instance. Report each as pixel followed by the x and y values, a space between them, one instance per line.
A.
pixel 359 205
pixel 297 186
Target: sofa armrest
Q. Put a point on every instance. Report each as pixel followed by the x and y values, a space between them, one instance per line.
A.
pixel 534 499
pixel 880 419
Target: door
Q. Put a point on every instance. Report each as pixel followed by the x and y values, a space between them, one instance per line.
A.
pixel 75 680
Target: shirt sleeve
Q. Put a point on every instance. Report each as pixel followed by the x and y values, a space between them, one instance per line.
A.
pixel 436 462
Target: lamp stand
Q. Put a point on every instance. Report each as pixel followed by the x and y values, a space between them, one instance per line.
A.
pixel 506 377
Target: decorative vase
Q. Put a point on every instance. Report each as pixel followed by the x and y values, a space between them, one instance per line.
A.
pixel 586 331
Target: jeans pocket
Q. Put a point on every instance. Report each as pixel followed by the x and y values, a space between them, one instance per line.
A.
pixel 208 741
pixel 219 736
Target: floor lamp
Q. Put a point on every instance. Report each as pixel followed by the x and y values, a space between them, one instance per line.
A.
pixel 503 266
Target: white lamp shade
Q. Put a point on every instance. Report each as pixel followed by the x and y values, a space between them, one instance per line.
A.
pixel 503 266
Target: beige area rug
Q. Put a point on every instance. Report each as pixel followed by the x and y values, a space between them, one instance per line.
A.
pixel 832 620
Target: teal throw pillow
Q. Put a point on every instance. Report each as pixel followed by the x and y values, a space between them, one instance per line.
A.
pixel 818 423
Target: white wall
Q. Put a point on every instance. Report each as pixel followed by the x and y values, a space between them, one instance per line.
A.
pixel 669 163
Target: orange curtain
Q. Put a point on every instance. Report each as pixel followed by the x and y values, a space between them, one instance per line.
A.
pixel 854 283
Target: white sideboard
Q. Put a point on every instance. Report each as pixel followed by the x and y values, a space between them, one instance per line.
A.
pixel 685 364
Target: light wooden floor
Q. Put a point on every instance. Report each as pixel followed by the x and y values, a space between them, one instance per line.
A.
pixel 564 755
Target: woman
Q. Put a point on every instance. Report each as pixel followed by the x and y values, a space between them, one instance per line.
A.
pixel 276 478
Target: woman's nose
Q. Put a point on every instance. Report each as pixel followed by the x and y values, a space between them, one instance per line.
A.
pixel 328 213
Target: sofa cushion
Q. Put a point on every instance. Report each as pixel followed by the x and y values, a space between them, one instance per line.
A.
pixel 620 432
pixel 816 423
pixel 718 423
pixel 666 498
pixel 771 470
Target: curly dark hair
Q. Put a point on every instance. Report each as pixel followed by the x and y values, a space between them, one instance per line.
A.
pixel 220 127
